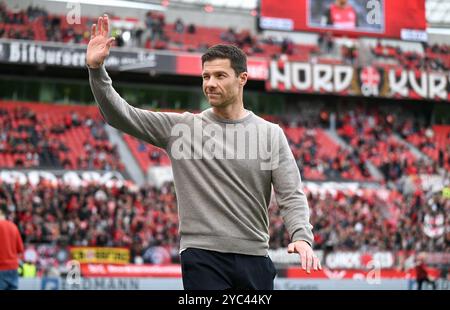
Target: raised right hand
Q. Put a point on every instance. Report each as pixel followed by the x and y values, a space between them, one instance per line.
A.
pixel 99 45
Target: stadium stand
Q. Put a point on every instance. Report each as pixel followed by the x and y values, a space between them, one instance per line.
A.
pixel 43 135
pixel 394 213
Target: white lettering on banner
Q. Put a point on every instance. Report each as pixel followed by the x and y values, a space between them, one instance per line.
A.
pixel 96 269
pixel 421 89
pixel 66 58
pixel 357 260
pixel 307 80
pixel 414 35
pixel 14 52
pixel 30 53
pixel 432 84
pixel 320 77
pixel 384 259
pixel 112 61
pixel 257 70
pixel 50 59
pixel 398 86
pixel 70 177
pixel 40 55
pixel 24 52
pixel 277 23
pixel 276 76
pixel 297 76
pixel 347 73
pixel 437 90
pixel 343 260
pixel 103 284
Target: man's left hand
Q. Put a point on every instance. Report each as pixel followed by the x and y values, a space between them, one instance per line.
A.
pixel 308 259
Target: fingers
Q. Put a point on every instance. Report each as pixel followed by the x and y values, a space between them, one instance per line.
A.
pixel 303 259
pixel 309 260
pixel 110 42
pixel 315 262
pixel 105 25
pixel 93 29
pixel 291 248
pixel 100 26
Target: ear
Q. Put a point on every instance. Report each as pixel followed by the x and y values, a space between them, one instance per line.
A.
pixel 243 77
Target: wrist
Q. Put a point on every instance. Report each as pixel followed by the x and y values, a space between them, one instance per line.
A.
pixel 94 66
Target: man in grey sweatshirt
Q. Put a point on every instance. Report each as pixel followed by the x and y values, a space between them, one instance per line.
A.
pixel 225 162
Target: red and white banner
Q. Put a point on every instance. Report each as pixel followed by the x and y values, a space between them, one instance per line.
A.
pixel 130 271
pixel 357 274
pixel 370 81
pixel 359 260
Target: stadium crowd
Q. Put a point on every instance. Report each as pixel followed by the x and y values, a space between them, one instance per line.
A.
pixel 376 137
pixel 30 139
pixel 95 215
pixel 154 32
pixel 139 218
pixel 335 164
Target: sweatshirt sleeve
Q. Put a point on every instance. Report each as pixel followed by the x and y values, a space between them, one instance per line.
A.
pixel 153 127
pixel 289 194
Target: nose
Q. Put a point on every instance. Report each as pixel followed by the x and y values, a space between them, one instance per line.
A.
pixel 211 83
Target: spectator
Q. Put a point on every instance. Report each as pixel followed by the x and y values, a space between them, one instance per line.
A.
pixel 422 275
pixel 179 26
pixel 10 250
pixel 191 29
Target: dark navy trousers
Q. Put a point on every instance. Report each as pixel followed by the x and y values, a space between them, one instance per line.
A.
pixel 211 270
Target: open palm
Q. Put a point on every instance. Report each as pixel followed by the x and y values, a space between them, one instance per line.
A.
pixel 99 45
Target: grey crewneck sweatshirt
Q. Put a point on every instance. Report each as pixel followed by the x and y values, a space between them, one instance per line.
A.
pixel 223 185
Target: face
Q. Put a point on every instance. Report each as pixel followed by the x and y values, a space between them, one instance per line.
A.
pixel 221 86
pixel 342 2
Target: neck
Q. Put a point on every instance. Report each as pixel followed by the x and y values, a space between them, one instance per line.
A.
pixel 231 111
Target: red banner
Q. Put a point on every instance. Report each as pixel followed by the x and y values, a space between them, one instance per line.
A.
pixel 385 18
pixel 191 64
pixel 130 271
pixel 357 274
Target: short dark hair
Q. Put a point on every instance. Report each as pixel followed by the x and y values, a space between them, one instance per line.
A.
pixel 237 57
